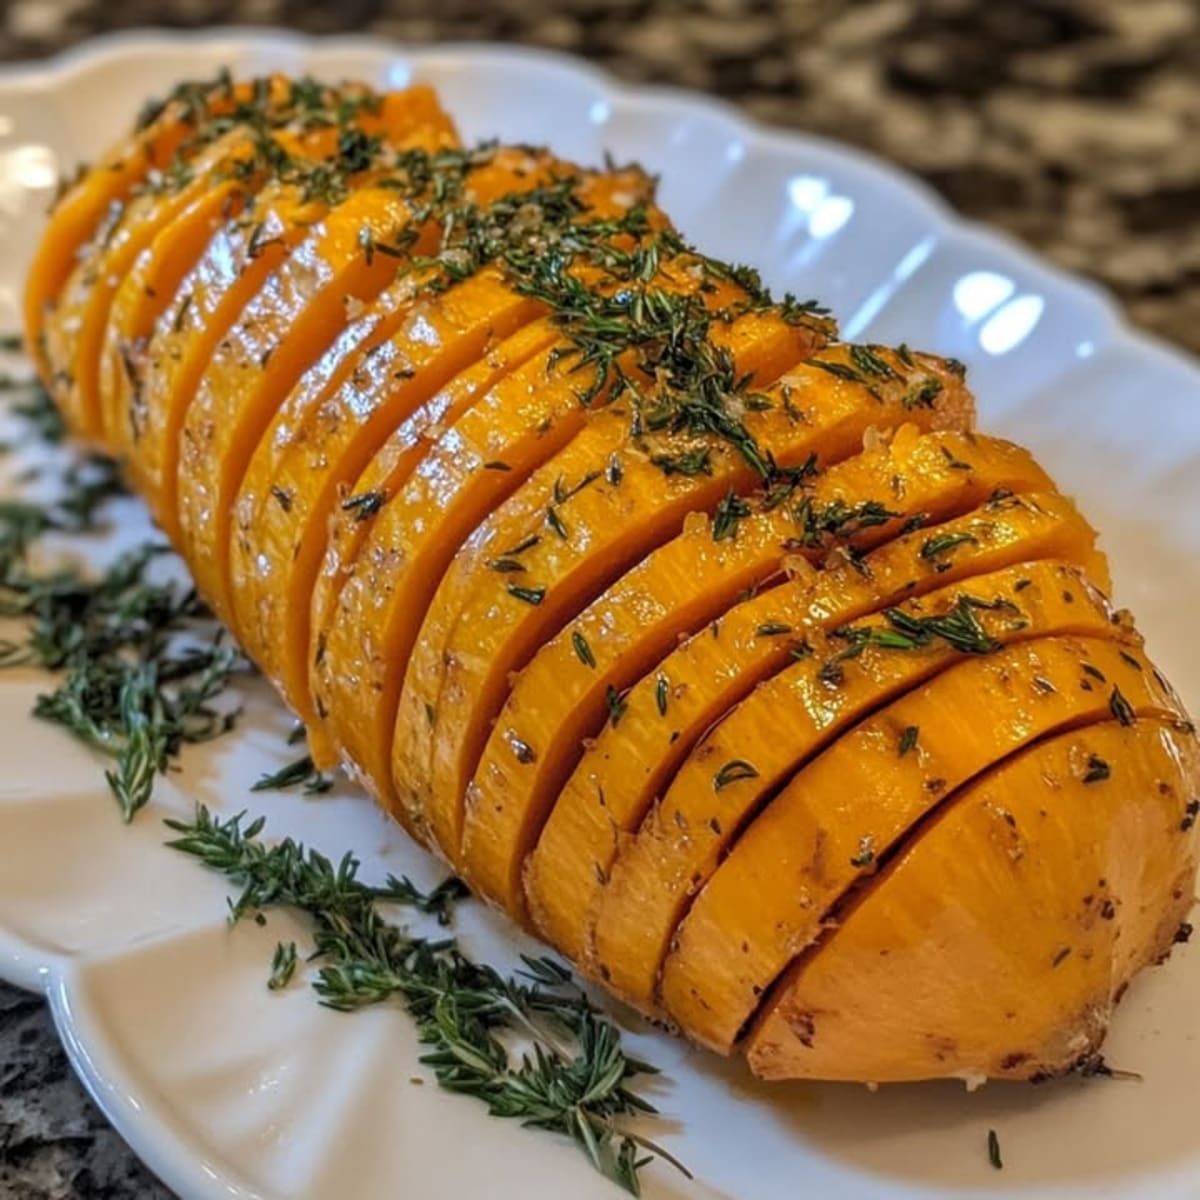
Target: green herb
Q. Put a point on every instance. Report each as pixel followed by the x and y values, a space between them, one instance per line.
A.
pixel 733 771
pixel 943 543
pixel 617 704
pixel 908 739
pixel 283 966
pixel 730 511
pixel 506 566
pixel 576 1079
pixel 365 505
pixel 772 629
pixel 532 596
pixel 582 650
pixel 993 1146
pixel 1120 707
pixel 662 692
pixel 866 852
pixel 300 771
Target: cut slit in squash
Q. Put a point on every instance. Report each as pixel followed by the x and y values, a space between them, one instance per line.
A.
pixel 1043 878
pixel 767 900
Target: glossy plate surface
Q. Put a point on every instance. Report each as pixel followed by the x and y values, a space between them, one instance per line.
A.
pixel 227 1090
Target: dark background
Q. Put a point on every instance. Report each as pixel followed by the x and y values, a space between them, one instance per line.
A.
pixel 1073 124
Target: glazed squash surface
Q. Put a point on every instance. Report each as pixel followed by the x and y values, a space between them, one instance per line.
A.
pixel 723 654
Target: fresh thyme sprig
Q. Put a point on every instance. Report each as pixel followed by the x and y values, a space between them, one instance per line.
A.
pixel 575 1077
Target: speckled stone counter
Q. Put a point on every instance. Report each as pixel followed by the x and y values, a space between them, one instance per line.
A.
pixel 1073 124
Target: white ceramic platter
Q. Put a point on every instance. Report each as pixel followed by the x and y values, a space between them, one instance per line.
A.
pixel 227 1090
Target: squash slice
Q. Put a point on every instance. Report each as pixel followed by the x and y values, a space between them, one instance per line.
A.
pixel 554 703
pixel 744 759
pixel 670 707
pixel 98 195
pixel 474 466
pixel 326 433
pixel 485 623
pixel 768 899
pixel 1004 933
pixel 232 268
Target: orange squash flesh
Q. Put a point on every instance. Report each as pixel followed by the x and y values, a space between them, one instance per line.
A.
pixel 75 329
pixel 768 898
pixel 387 475
pixel 553 705
pixel 234 266
pixel 682 839
pixel 326 433
pixel 100 192
pixel 478 630
pixel 670 707
pixel 477 462
pixel 1000 940
pixel 283 331
pixel 185 227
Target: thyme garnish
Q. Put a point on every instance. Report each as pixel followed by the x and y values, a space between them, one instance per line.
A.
pixel 908 740
pixel 1120 707
pixel 575 1080
pixel 993 1146
pixel 299 771
pixel 733 771
pixel 582 650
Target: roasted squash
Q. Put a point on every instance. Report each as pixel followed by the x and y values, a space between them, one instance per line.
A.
pixel 723 654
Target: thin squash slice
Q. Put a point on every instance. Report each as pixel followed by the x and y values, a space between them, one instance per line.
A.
pixel 97 196
pixel 475 465
pixel 768 899
pixel 482 625
pixel 624 766
pixel 999 940
pixel 845 675
pixel 567 692
pixel 379 375
pixel 234 266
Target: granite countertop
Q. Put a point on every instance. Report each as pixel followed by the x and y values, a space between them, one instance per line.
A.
pixel 1073 124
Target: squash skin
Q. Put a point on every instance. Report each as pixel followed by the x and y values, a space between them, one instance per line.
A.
pixel 377 614
pixel 1048 887
pixel 837 814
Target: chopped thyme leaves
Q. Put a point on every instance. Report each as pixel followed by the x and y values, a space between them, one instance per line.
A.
pixel 532 596
pixel 582 650
pixel 365 505
pixel 1097 770
pixel 993 1147
pixel 908 740
pixel 617 704
pixel 730 512
pixel 283 966
pixel 772 629
pixel 662 692
pixel 733 771
pixel 1120 707
pixel 943 543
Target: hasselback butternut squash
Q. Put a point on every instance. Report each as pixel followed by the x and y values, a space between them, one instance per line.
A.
pixel 724 654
